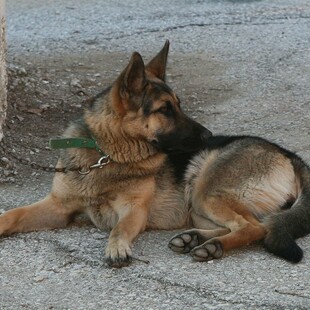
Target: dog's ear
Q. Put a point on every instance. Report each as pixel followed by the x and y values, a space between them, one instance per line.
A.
pixel 157 66
pixel 133 78
pixel 129 86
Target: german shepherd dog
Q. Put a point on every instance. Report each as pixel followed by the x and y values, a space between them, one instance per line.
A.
pixel 135 122
pixel 237 189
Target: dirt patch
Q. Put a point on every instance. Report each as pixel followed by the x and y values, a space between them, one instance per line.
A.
pixel 44 95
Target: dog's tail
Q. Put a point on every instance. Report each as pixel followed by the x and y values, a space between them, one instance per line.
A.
pixel 284 227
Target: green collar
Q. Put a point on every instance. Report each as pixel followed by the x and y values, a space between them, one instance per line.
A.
pixel 65 143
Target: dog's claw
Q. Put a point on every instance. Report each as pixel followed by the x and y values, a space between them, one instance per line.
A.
pixel 118 253
pixel 119 262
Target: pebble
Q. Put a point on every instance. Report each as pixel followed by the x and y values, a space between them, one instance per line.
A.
pixel 20 118
pixel 7 172
pixel 39 279
pixel 99 236
pixel 75 82
pixel 5 160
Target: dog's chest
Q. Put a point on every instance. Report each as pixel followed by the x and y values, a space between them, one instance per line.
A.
pixel 101 212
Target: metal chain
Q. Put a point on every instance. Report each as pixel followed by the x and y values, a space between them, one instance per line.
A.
pixel 104 160
pixel 36 166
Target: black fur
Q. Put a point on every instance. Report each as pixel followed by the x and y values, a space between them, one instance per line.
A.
pixel 179 162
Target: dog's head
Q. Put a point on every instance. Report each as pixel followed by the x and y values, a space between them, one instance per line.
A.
pixel 150 110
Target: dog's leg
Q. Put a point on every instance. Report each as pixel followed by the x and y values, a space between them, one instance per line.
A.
pixel 232 214
pixel 189 239
pixel 118 251
pixel 45 214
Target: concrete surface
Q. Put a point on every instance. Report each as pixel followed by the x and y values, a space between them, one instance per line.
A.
pixel 3 98
pixel 248 65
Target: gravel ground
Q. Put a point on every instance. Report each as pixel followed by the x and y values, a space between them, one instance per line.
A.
pixel 241 67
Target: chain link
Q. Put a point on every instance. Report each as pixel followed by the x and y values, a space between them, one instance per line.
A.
pixel 36 166
pixel 104 160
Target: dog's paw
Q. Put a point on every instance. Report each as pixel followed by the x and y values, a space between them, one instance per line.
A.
pixel 118 254
pixel 211 249
pixel 184 242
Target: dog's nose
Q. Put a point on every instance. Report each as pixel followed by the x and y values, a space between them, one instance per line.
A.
pixel 206 134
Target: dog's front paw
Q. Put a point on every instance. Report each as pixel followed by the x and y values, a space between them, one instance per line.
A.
pixel 118 254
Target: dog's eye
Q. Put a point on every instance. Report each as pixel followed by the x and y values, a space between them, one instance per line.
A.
pixel 163 110
pixel 166 109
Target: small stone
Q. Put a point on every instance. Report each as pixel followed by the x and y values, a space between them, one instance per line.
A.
pixel 20 118
pixel 39 279
pixel 5 160
pixel 6 172
pixel 99 236
pixel 75 82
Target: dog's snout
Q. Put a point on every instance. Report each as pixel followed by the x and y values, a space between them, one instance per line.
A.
pixel 205 135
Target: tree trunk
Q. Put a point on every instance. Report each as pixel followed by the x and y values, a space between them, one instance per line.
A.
pixel 3 77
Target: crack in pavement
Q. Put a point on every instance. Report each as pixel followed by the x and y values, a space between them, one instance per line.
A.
pixel 291 293
pixel 234 23
pixel 66 250
pixel 204 294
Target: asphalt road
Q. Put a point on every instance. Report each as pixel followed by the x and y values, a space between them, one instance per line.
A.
pixel 256 57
